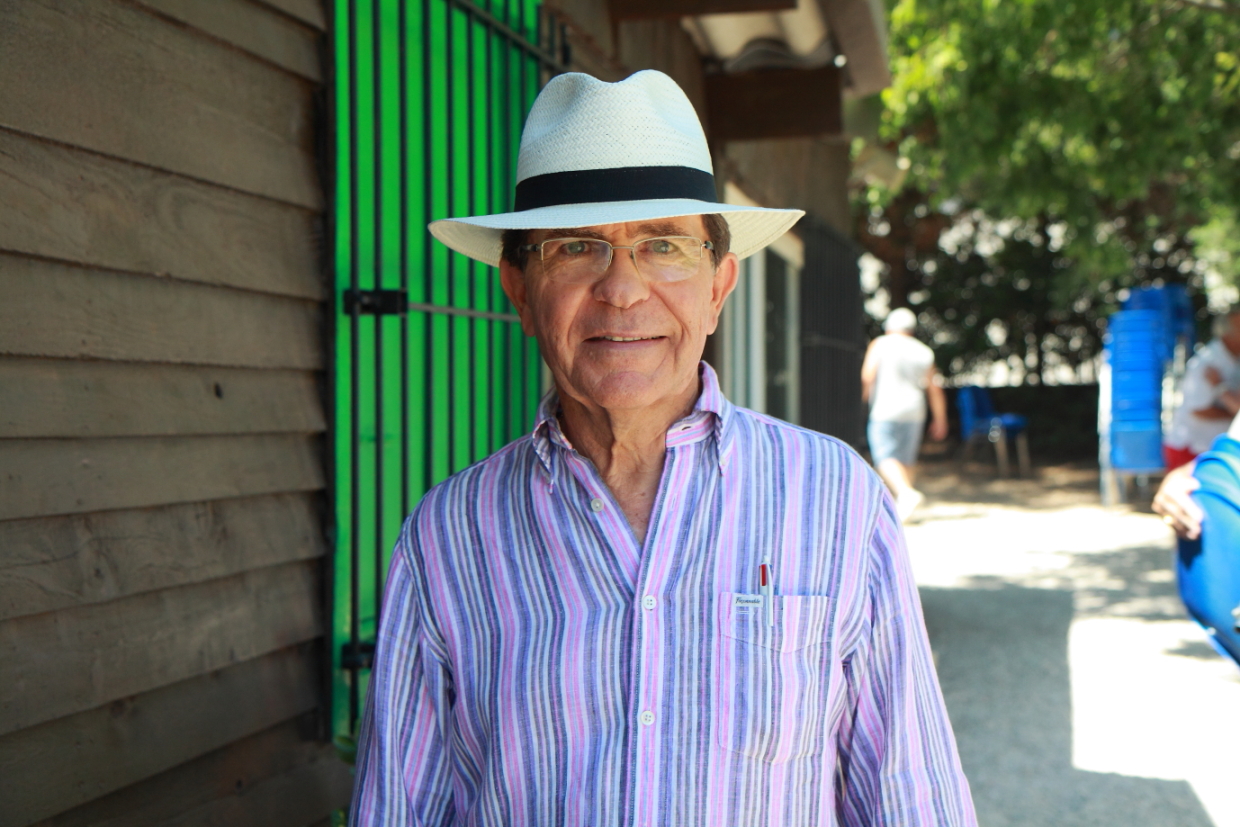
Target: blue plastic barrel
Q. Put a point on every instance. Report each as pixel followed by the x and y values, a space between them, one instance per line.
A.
pixel 1136 445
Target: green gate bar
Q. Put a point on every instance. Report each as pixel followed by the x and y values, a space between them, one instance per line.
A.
pixel 431 371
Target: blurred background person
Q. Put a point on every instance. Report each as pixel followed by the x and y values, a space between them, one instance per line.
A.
pixel 897 376
pixel 1209 394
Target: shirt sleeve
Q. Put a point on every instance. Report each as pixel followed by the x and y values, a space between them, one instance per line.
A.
pixel 899 764
pixel 403 771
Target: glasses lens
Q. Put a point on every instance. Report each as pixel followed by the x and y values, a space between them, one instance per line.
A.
pixel 574 259
pixel 669 259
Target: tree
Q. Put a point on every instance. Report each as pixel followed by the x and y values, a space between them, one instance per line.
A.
pixel 1111 126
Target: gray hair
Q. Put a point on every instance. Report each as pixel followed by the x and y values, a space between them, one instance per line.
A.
pixel 900 320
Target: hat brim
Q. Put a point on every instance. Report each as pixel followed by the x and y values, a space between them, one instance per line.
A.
pixel 478 237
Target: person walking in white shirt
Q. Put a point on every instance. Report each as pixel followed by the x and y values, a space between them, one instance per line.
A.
pixel 897 377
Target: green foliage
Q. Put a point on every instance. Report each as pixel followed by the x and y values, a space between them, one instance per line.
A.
pixel 1217 241
pixel 1097 140
pixel 1067 108
pixel 991 293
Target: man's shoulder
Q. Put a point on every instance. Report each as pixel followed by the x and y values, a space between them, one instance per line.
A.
pixel 902 344
pixel 767 431
pixel 1210 355
pixel 498 470
pixel 1212 352
pixel 919 347
pixel 769 450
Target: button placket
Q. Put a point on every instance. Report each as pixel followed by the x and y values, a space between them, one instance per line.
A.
pixel 648 608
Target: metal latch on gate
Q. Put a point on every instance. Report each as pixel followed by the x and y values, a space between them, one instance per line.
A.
pixel 363 657
pixel 376 302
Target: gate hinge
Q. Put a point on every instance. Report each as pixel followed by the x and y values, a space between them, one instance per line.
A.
pixel 363 657
pixel 377 302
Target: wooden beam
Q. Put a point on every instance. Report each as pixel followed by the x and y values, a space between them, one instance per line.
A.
pixel 307 11
pixel 304 794
pixel 131 85
pixel 774 103
pixel 45 477
pixel 271 35
pixel 649 9
pixel 48 769
pixel 58 664
pixel 55 310
pixel 53 563
pixel 68 204
pixel 227 779
pixel 862 39
pixel 68 398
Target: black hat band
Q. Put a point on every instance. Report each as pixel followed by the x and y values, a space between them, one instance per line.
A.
pixel 590 186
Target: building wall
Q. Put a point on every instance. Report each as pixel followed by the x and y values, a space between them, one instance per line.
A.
pixel 809 173
pixel 161 414
pixel 612 50
pixel 832 335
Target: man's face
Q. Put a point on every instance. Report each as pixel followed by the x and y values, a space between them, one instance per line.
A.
pixel 624 341
pixel 1232 337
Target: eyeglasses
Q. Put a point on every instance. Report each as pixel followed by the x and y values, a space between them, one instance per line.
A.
pixel 584 260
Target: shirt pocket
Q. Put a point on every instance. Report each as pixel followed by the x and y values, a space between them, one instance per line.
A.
pixel 773 678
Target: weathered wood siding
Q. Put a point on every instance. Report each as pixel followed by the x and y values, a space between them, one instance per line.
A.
pixel 162 305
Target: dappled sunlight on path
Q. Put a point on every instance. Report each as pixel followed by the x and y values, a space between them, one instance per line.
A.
pixel 1079 693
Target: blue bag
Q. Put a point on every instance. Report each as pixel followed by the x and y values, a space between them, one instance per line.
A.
pixel 1208 569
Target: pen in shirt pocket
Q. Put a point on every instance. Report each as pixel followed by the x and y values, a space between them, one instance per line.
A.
pixel 766 583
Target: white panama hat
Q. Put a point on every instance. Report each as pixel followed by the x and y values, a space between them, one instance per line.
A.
pixel 603 153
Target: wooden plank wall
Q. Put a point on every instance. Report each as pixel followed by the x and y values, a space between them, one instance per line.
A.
pixel 162 304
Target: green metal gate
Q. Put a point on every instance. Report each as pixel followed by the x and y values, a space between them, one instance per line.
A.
pixel 430 371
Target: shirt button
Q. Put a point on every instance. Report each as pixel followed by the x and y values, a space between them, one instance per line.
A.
pixel 649 601
pixel 596 505
pixel 647 718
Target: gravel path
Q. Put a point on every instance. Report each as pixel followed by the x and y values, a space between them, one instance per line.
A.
pixel 1079 693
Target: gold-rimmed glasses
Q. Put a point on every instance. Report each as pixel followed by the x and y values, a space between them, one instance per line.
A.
pixel 583 260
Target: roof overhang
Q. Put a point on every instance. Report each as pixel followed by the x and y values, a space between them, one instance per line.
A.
pixel 739 36
pixel 774 103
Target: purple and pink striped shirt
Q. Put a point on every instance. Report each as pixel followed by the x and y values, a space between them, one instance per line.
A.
pixel 537 666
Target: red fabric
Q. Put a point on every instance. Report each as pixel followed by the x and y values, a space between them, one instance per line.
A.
pixel 1175 457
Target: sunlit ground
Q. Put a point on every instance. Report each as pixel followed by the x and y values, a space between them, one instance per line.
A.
pixel 1079 693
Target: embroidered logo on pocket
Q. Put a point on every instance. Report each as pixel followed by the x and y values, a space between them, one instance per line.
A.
pixel 746 602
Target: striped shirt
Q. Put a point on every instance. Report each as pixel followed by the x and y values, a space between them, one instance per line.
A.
pixel 537 666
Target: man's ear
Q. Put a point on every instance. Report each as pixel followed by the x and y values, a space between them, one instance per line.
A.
pixel 512 279
pixel 722 285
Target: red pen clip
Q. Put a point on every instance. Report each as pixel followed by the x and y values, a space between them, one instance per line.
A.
pixel 766 587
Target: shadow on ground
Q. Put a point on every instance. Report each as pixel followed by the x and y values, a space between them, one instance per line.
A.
pixel 1007 686
pixel 944 478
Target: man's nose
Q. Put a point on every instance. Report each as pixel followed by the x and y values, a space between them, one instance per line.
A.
pixel 622 285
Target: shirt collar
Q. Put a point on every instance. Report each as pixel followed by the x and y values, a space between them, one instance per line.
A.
pixel 711 416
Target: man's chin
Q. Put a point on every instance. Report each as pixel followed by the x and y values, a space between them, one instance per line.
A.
pixel 619 391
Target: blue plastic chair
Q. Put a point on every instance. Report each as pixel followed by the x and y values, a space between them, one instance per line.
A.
pixel 978 420
pixel 1208 569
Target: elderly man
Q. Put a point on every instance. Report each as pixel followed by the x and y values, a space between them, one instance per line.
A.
pixel 657 608
pixel 1209 398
